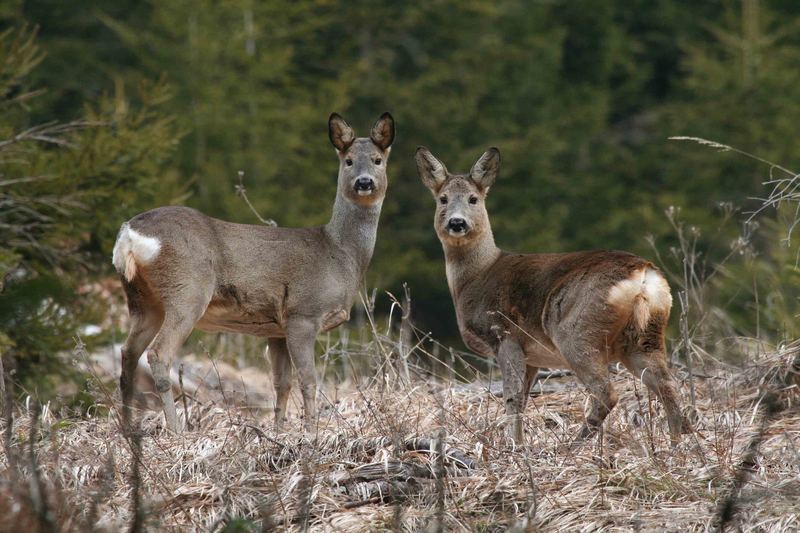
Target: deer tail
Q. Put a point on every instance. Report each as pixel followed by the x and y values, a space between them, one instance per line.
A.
pixel 642 295
pixel 640 314
pixel 132 250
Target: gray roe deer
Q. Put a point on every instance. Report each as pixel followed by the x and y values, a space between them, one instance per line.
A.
pixel 182 269
pixel 576 310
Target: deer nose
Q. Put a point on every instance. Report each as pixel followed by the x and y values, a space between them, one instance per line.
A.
pixel 457 225
pixel 364 183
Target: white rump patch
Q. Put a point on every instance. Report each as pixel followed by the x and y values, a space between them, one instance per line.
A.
pixel 656 290
pixel 133 248
pixel 644 292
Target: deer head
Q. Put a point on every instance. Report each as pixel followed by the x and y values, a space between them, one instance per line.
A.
pixel 362 161
pixel 461 216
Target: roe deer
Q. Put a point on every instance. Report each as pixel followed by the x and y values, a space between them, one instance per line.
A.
pixel 182 269
pixel 576 310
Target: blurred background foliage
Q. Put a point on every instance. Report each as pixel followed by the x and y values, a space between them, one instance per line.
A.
pixel 165 102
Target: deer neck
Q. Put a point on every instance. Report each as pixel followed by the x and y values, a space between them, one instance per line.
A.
pixel 468 262
pixel 353 228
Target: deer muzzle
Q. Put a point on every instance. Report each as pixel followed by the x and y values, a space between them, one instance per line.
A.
pixel 457 226
pixel 364 185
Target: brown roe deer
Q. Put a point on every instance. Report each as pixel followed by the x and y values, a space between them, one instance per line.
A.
pixel 182 269
pixel 577 310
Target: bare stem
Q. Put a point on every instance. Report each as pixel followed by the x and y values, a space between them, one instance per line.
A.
pixel 241 191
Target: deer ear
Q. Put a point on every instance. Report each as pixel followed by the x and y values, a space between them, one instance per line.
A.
pixel 382 133
pixel 340 132
pixel 486 168
pixel 431 170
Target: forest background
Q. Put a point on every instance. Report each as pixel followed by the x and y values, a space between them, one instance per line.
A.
pixel 108 109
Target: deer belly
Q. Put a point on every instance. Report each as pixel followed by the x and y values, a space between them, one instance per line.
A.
pixel 235 319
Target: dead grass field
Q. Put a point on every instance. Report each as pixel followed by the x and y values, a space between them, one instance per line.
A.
pixel 375 462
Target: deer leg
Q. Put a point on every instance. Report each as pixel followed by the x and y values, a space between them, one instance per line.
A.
pixel 530 376
pixel 163 383
pixel 145 320
pixel 143 329
pixel 511 359
pixel 604 398
pixel 588 357
pixel 301 334
pixel 652 369
pixel 282 376
pixel 589 362
pixel 177 326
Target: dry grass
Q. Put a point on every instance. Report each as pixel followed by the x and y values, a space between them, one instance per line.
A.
pixel 232 472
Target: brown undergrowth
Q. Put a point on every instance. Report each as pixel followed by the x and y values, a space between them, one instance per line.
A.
pixel 415 455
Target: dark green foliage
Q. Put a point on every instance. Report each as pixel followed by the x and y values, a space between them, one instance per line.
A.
pixel 239 525
pixel 64 189
pixel 580 96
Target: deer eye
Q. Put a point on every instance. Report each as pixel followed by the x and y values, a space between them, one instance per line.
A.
pixel 443 200
pixel 378 161
pixel 348 162
pixel 473 200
